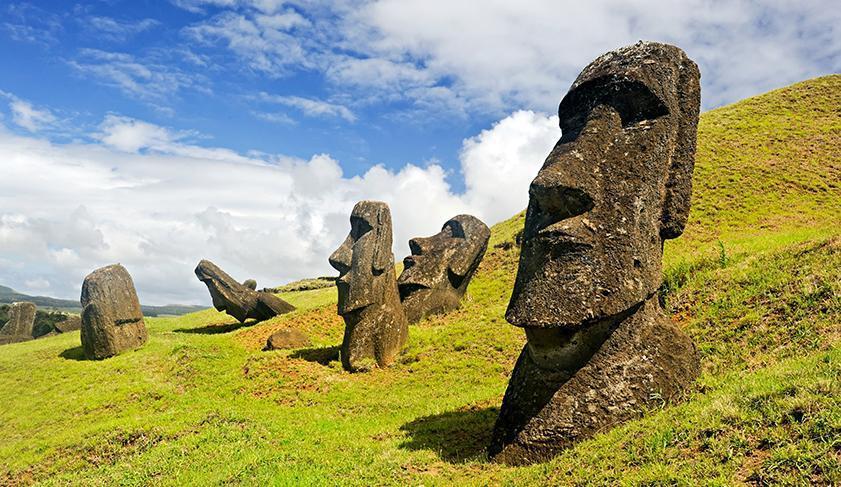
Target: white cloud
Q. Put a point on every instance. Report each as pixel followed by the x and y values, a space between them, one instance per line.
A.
pixel 311 107
pixel 143 80
pixel 275 117
pixel 25 22
pixel 148 197
pixel 499 56
pixel 196 6
pixel 264 43
pixel 129 135
pixel 38 283
pixel 526 53
pixel 25 115
pixel 508 155
pixel 117 30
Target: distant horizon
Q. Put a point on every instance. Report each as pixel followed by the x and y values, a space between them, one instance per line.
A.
pixel 244 131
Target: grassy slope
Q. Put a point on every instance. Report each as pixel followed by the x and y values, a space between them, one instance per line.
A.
pixel 756 281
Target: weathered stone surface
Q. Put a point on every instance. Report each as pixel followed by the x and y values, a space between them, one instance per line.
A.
pixel 436 275
pixel 250 284
pixel 21 320
pixel 287 338
pixel 111 318
pixel 236 299
pixel 375 325
pixel 616 185
pixel 7 339
pixel 71 323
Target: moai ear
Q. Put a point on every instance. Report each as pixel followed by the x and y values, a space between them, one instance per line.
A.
pixel 476 233
pixel 679 182
pixel 464 256
pixel 382 244
pixel 460 263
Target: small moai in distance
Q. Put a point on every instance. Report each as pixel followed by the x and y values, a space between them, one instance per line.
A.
pixel 239 300
pixel 435 276
pixel 21 323
pixel 250 284
pixel 71 323
pixel 111 318
pixel 376 329
pixel 617 184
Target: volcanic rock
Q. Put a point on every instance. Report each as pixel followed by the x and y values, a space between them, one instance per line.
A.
pixel 436 275
pixel 236 299
pixel 287 338
pixel 617 184
pixel 376 329
pixel 111 318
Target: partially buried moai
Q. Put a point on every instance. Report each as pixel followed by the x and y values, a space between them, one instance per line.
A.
pixel 375 325
pixel 111 318
pixel 436 275
pixel 616 185
pixel 21 323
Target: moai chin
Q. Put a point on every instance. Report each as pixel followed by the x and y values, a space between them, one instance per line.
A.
pixel 375 325
pixel 615 186
pixel 436 274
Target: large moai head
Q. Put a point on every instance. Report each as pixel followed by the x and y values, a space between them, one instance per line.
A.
pixel 112 321
pixel 375 325
pixel 364 257
pixel 436 275
pixel 615 186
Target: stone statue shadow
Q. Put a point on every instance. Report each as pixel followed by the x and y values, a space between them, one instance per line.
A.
pixel 457 436
pixel 217 328
pixel 321 355
pixel 74 353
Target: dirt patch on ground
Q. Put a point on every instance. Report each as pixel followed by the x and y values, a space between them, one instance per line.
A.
pixel 321 325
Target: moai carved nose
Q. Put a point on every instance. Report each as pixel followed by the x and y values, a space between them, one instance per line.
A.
pixel 341 259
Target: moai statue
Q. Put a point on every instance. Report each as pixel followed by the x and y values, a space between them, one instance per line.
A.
pixel 375 325
pixel 239 300
pixel 616 185
pixel 111 318
pixel 436 275
pixel 70 323
pixel 21 323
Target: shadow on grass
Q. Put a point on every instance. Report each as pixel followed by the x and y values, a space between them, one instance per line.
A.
pixel 216 328
pixel 75 353
pixel 457 436
pixel 323 355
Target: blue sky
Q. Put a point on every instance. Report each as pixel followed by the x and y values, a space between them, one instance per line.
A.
pixel 157 133
pixel 162 63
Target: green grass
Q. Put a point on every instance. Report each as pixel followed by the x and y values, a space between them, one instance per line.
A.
pixel 756 283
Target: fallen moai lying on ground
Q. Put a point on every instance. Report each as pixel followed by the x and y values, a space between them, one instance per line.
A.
pixel 239 300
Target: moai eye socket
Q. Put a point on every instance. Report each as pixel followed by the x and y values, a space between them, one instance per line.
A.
pixel 453 229
pixel 359 227
pixel 633 100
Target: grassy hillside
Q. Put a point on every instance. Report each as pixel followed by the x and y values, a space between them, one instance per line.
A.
pixel 756 282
